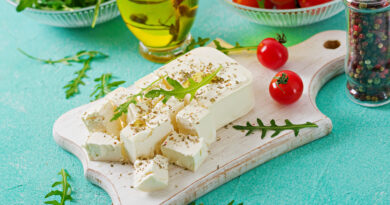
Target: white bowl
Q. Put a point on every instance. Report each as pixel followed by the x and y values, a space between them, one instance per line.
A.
pixel 288 17
pixel 73 19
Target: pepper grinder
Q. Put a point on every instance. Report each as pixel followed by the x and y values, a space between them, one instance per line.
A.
pixel 367 63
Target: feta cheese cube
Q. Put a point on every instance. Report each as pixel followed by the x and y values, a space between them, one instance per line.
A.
pixel 139 110
pixel 187 151
pixel 143 137
pixel 172 107
pixel 98 118
pixel 104 147
pixel 195 119
pixel 151 175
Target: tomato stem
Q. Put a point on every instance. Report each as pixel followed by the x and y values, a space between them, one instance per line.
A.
pixel 281 38
pixel 281 80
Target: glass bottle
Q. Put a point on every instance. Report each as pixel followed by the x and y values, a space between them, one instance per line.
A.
pixel 367 63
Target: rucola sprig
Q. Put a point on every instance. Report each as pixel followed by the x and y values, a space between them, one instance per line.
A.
pixel 263 128
pixel 104 86
pixel 66 191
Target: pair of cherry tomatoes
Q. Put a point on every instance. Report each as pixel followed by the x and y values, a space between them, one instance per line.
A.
pixel 286 87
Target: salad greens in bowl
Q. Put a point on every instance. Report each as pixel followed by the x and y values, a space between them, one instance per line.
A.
pixel 68 13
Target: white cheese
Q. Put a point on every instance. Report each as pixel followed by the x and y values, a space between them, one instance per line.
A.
pixel 151 175
pixel 139 110
pixel 104 147
pixel 229 96
pixel 143 137
pixel 98 118
pixel 172 107
pixel 197 120
pixel 183 150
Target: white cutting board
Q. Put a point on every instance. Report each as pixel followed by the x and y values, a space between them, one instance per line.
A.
pixel 234 153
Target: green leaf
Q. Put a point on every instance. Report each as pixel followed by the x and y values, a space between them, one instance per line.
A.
pixel 79 57
pixel 103 86
pixel 179 91
pixel 231 203
pixel 96 13
pixel 237 47
pixel 277 129
pixel 64 194
pixel 193 44
pixel 123 108
pixel 72 88
pixel 23 4
pixel 52 202
pixel 261 3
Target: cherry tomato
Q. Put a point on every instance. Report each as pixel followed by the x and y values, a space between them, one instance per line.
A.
pixel 286 87
pixel 309 3
pixel 282 2
pixel 251 3
pixel 267 4
pixel 272 53
pixel 289 5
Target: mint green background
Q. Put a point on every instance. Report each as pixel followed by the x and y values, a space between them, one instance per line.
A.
pixel 350 166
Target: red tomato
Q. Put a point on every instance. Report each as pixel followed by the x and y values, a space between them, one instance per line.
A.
pixel 267 4
pixel 272 53
pixel 282 2
pixel 251 3
pixel 289 5
pixel 309 3
pixel 286 87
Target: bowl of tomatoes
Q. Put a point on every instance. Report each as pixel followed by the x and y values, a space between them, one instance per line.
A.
pixel 286 13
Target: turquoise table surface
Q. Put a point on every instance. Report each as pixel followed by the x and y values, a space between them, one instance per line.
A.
pixel 349 166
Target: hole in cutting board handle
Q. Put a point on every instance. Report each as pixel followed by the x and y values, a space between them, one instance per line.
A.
pixel 332 44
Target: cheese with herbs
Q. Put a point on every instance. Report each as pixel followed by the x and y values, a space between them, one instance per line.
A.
pixel 197 120
pixel 151 175
pixel 104 147
pixel 142 138
pixel 98 117
pixel 186 151
pixel 181 129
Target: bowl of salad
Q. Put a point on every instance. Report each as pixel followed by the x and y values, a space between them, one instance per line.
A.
pixel 286 13
pixel 68 13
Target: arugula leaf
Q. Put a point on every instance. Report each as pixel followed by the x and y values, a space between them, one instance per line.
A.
pixel 104 86
pixel 72 87
pixel 237 47
pixel 96 13
pixel 200 42
pixel 123 108
pixel 66 191
pixel 23 4
pixel 274 127
pixel 79 57
pixel 179 91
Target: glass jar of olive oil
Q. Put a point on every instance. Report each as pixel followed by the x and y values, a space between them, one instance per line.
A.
pixel 162 26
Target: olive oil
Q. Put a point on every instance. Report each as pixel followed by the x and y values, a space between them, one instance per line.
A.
pixel 159 23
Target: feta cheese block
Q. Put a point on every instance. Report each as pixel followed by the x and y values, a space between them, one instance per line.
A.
pixel 98 117
pixel 151 175
pixel 186 151
pixel 228 97
pixel 142 138
pixel 195 119
pixel 104 147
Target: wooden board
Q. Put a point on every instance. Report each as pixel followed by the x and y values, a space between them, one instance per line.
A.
pixel 234 153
